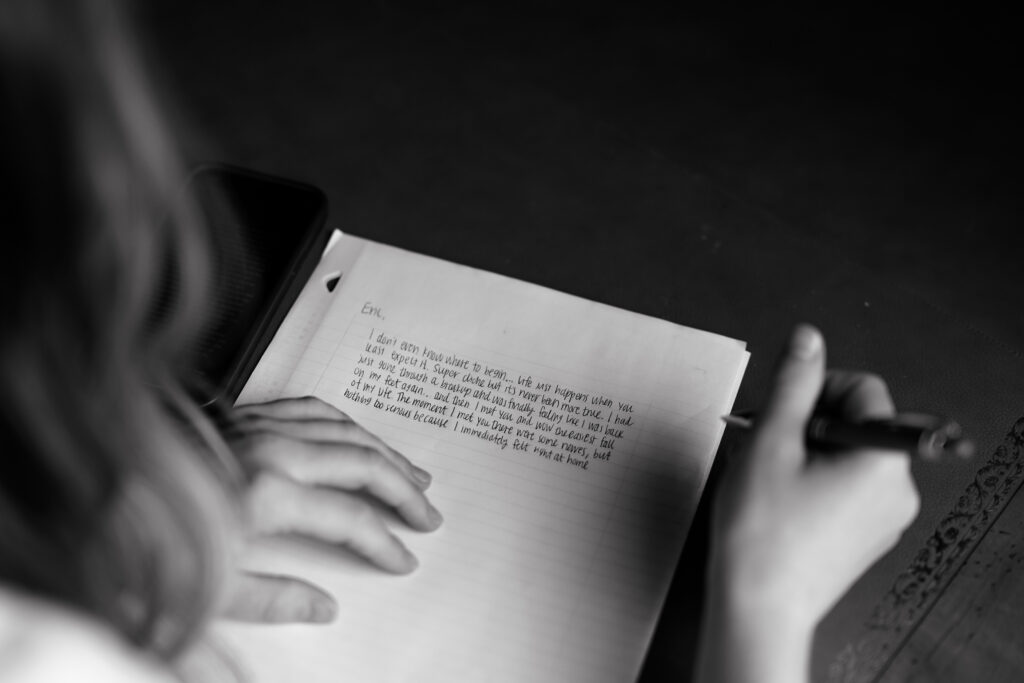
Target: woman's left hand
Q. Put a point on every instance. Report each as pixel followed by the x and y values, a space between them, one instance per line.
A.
pixel 311 470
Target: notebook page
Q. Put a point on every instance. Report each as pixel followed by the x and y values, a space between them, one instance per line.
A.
pixel 569 442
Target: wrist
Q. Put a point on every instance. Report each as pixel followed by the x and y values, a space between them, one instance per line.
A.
pixel 765 577
pixel 753 632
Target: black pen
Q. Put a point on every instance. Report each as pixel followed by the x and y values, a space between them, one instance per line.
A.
pixel 922 436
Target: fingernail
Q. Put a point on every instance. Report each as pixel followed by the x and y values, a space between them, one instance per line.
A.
pixel 805 342
pixel 434 516
pixel 422 477
pixel 411 562
pixel 324 611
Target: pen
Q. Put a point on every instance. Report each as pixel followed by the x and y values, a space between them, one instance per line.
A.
pixel 920 435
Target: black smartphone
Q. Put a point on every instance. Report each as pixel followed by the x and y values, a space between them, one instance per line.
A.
pixel 268 234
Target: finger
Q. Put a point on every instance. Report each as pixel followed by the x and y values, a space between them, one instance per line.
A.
pixel 351 467
pixel 280 506
pixel 327 431
pixel 856 396
pixel 798 380
pixel 278 600
pixel 303 408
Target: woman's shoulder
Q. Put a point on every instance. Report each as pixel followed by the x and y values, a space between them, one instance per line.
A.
pixel 40 641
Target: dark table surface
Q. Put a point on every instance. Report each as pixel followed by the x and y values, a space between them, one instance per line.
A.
pixel 736 173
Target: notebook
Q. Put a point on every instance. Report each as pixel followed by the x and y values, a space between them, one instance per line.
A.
pixel 569 442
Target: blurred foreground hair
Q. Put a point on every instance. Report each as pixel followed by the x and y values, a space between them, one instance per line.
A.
pixel 112 484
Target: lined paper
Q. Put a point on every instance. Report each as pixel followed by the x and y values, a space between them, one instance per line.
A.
pixel 569 442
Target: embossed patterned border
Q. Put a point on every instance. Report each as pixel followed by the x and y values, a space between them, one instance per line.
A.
pixel 921 583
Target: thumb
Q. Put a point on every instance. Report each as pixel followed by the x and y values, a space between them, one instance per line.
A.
pixel 799 378
pixel 278 599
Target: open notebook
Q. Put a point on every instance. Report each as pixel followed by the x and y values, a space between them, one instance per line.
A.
pixel 569 443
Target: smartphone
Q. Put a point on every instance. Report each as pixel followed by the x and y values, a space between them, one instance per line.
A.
pixel 267 235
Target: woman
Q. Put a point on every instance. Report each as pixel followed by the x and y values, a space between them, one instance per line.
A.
pixel 122 507
pixel 119 501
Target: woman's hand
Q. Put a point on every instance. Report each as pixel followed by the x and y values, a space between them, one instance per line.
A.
pixel 311 470
pixel 793 529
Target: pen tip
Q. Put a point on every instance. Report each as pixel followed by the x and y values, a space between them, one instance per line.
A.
pixel 737 421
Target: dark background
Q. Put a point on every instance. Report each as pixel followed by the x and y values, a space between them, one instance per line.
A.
pixel 729 169
pixel 893 138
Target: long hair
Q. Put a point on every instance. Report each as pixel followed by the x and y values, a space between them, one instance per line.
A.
pixel 112 484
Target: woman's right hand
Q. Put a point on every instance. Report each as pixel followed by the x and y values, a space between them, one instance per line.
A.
pixel 793 529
